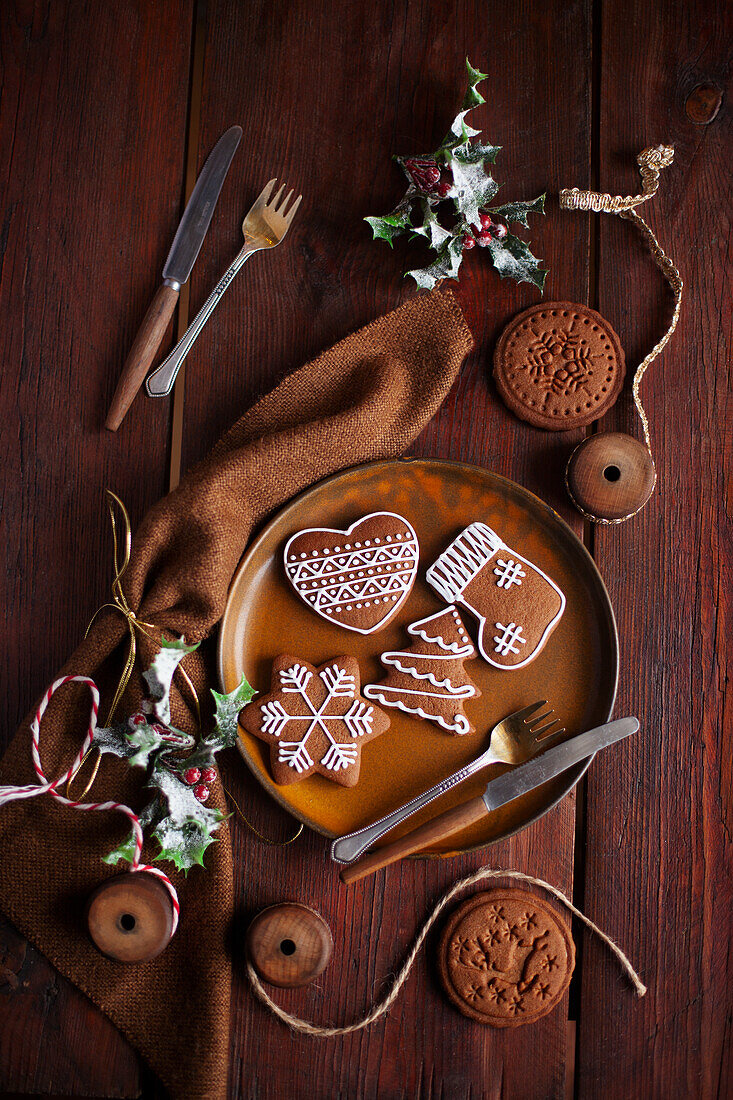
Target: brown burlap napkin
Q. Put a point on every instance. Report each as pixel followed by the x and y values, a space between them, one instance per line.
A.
pixel 367 398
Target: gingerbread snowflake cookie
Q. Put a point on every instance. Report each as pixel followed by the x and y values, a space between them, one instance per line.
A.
pixel 516 604
pixel 559 365
pixel 505 958
pixel 358 578
pixel 428 679
pixel 314 720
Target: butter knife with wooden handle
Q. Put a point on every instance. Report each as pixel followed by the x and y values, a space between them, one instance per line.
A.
pixel 499 791
pixel 185 248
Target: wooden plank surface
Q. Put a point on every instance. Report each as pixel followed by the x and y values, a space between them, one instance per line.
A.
pixel 658 855
pixel 93 111
pixel 92 145
pixel 329 128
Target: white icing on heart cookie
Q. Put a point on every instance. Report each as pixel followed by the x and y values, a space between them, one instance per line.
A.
pixel 358 578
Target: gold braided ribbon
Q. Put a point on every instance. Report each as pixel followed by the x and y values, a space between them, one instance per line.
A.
pixel 650 161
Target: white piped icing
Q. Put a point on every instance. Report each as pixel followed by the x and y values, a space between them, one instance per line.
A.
pixel 465 557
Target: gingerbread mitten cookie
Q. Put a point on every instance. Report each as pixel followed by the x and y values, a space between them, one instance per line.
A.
pixel 315 720
pixel 516 604
pixel 428 679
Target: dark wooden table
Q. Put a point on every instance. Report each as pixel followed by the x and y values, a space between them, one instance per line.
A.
pixel 106 113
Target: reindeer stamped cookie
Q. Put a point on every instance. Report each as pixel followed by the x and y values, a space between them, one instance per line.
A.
pixel 517 605
pixel 505 958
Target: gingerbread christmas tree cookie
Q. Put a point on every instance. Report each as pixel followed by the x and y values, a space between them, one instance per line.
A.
pixel 516 604
pixel 358 578
pixel 428 679
pixel 314 720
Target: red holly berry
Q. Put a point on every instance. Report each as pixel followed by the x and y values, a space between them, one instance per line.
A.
pixel 444 189
pixel 468 242
pixel 425 174
pixel 483 238
pixel 208 774
pixel 192 776
pixel 499 231
pixel 201 792
pixel 139 719
pixel 486 222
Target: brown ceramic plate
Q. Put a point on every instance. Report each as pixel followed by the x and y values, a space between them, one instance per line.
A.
pixel 577 670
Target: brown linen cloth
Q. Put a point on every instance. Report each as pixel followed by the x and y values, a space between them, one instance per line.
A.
pixel 367 398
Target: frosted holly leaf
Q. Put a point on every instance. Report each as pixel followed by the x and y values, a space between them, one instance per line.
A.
pixel 295 755
pixel 115 740
pixel 183 844
pixel 144 741
pixel 125 850
pixel 518 211
pixel 472 188
pixel 460 132
pixel 358 719
pixel 160 674
pixel 431 228
pixel 513 260
pixel 228 706
pixel 445 266
pixel 394 223
pixel 185 828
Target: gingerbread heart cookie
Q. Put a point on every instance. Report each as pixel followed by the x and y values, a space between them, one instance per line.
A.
pixel 515 603
pixel 358 578
pixel 505 958
pixel 314 720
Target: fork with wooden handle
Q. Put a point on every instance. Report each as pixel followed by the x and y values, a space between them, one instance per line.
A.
pixel 512 784
pixel 512 741
pixel 264 226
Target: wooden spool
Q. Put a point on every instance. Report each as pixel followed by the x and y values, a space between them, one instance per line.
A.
pixel 289 944
pixel 610 476
pixel 130 917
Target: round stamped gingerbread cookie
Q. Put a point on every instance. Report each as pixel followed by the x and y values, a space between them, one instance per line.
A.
pixel 505 957
pixel 559 365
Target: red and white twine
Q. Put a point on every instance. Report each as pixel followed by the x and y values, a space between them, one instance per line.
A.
pixel 12 794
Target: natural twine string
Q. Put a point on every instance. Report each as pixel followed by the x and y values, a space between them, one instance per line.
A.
pixel 384 1005
pixel 650 161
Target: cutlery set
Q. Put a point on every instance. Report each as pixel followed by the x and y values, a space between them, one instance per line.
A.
pixel 264 226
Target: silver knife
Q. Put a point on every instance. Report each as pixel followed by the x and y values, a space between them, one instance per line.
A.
pixel 185 248
pixel 513 784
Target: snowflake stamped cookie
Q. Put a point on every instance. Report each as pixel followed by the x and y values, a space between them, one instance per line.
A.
pixel 516 604
pixel 358 578
pixel 314 720
pixel 428 679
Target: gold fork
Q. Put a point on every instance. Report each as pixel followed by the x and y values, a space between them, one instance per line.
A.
pixel 513 741
pixel 264 226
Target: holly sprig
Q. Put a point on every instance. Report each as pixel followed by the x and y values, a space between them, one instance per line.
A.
pixel 455 182
pixel 180 768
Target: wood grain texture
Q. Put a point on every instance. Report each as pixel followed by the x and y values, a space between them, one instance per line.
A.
pixel 362 82
pixel 142 354
pixel 660 814
pixel 93 108
pixel 92 139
